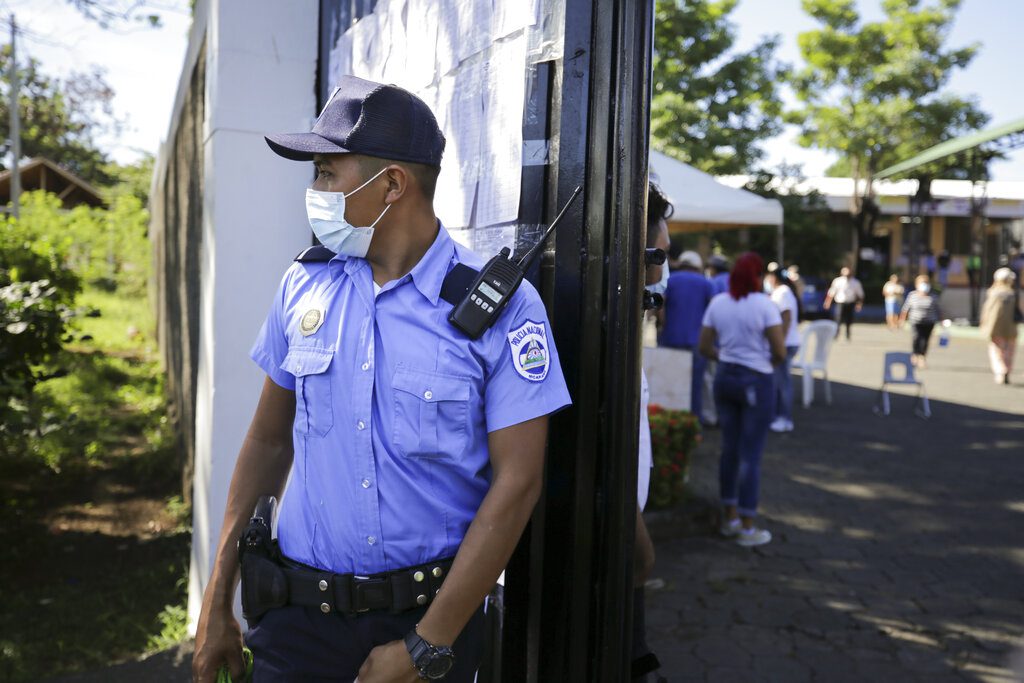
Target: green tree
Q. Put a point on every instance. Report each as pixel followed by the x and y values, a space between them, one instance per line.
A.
pixel 872 91
pixel 710 105
pixel 60 118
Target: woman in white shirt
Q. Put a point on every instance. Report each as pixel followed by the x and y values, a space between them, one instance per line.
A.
pixel 784 297
pixel 747 327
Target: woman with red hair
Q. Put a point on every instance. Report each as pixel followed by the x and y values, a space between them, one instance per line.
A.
pixel 742 330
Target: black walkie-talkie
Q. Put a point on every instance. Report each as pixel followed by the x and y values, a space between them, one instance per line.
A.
pixel 497 281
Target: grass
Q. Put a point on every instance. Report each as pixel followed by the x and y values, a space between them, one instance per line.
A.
pixel 94 530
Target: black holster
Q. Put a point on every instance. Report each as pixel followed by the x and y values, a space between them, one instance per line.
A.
pixel 264 585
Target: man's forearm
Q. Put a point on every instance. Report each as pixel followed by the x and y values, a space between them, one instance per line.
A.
pixel 485 550
pixel 261 469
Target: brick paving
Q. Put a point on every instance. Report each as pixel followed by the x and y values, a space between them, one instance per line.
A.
pixel 899 542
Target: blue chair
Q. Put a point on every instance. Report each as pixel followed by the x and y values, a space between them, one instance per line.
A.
pixel 893 360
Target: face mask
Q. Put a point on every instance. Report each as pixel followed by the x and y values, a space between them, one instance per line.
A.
pixel 924 288
pixel 660 286
pixel 326 213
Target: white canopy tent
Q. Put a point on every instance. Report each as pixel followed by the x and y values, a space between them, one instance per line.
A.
pixel 699 198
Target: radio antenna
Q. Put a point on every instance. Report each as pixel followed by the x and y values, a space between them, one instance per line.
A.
pixel 528 259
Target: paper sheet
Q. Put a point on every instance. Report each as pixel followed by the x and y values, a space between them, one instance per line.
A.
pixel 364 37
pixel 394 38
pixel 501 144
pixel 421 43
pixel 461 104
pixel 340 59
pixel 512 15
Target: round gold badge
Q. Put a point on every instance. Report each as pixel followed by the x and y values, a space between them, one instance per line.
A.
pixel 310 321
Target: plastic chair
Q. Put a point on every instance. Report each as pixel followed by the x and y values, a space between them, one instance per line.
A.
pixel 822 332
pixel 897 359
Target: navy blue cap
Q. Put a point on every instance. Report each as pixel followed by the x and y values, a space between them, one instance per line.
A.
pixel 363 117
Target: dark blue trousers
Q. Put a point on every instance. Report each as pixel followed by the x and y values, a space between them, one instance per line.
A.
pixel 293 644
pixel 745 400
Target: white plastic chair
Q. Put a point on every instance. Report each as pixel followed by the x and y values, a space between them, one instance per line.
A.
pixel 819 334
pixel 897 359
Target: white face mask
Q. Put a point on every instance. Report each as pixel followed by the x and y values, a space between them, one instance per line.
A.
pixel 924 288
pixel 661 285
pixel 326 213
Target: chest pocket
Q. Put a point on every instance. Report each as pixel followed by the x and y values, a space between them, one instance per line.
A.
pixel 431 414
pixel 314 408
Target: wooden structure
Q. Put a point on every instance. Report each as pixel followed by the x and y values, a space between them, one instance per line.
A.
pixel 42 174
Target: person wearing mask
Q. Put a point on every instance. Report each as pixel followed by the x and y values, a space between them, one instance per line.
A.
pixel 781 293
pixel 999 324
pixel 848 295
pixel 742 330
pixel 892 292
pixel 686 296
pixel 413 455
pixel 921 310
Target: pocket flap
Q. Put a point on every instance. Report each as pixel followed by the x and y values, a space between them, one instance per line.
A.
pixel 431 387
pixel 303 360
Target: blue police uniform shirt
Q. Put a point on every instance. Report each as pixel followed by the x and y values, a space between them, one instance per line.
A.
pixel 686 297
pixel 393 407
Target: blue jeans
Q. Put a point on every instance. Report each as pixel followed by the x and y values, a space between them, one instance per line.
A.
pixel 697 383
pixel 746 402
pixel 784 385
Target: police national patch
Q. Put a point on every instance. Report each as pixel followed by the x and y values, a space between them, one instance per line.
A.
pixel 529 347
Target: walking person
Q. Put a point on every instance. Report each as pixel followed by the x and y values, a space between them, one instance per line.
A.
pixel 848 295
pixel 892 292
pixel 747 328
pixel 782 294
pixel 921 310
pixel 999 324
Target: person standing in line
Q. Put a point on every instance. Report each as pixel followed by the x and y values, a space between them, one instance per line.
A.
pixel 921 310
pixel 999 324
pixel 848 295
pixel 793 275
pixel 718 273
pixel 742 330
pixel 686 297
pixel 718 276
pixel 892 292
pixel 785 298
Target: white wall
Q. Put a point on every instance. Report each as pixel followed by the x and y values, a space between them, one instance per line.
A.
pixel 260 77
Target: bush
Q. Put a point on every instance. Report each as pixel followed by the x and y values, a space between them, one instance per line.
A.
pixel 674 435
pixel 37 292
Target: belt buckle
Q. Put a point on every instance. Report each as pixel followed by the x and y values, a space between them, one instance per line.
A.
pixel 370 594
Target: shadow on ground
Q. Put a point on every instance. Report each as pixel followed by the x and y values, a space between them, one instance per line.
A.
pixel 897 553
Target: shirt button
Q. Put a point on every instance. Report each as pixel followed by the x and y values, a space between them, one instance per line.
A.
pixel 298 368
pixel 428 394
pixel 366 366
pixel 371 540
pixel 360 425
pixel 366 483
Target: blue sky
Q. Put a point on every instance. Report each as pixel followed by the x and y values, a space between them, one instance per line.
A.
pixel 143 65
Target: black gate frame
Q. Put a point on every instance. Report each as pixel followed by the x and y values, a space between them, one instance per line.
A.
pixel 568 594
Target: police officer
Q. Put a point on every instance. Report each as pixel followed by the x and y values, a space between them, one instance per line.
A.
pixel 408 443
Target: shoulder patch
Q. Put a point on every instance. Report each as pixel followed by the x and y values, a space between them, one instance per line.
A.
pixel 528 345
pixel 315 254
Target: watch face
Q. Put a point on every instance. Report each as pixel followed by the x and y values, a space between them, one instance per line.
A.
pixel 438 666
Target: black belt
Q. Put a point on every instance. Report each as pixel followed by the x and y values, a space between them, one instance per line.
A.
pixel 396 591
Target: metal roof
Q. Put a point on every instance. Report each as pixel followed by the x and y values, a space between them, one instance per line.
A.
pixel 957 145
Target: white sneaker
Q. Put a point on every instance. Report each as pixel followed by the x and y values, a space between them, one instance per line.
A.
pixel 748 538
pixel 730 528
pixel 779 425
pixel 789 425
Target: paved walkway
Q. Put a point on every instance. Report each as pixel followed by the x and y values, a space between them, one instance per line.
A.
pixel 899 542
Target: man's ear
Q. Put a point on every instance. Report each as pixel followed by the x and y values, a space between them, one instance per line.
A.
pixel 398 183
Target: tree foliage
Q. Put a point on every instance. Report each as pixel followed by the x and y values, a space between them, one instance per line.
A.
pixel 60 118
pixel 711 106
pixel 872 91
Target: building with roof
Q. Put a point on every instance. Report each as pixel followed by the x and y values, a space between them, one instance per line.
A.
pixel 42 174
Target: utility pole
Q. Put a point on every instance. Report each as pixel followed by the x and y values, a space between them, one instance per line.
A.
pixel 15 126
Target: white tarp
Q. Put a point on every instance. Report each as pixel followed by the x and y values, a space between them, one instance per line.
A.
pixel 699 198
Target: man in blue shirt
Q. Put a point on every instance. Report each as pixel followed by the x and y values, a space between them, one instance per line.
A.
pixel 686 297
pixel 407 442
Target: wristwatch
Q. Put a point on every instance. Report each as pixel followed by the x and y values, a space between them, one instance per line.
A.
pixel 432 662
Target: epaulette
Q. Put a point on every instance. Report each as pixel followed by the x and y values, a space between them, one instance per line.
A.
pixel 457 283
pixel 317 254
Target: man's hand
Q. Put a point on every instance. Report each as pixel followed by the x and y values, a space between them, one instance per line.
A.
pixel 389 663
pixel 218 642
